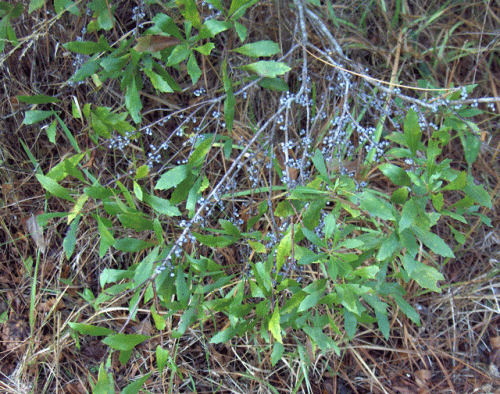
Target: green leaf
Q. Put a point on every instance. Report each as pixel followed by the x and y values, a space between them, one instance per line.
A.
pixel 458 183
pixel 54 188
pixel 131 244
pixel 383 324
pixel 199 155
pixel 219 241
pixel 238 7
pixel 160 322
pixel 35 116
pixel 350 324
pixel 133 101
pixel 433 242
pixel 193 69
pixel 388 247
pixel 241 30
pixel 230 102
pixel 267 68
pixel 205 49
pixel 167 25
pixel 66 5
pixel 145 268
pixel 274 325
pixel 135 387
pixel 412 131
pixel 313 237
pixel 161 205
pixel 212 27
pixel 35 5
pixel 437 201
pixel 88 329
pixel 182 290
pixel 104 383
pixel 224 336
pixel 189 10
pixel 158 82
pixel 406 308
pixel 172 177
pixel 472 145
pixel 259 48
pixel 87 47
pixel 477 192
pixel 277 353
pixel 179 54
pixel 38 99
pixel 400 195
pixel 51 132
pixel 408 215
pixel 69 241
pixel 162 358
pixel 375 205
pixel 275 84
pixel 124 341
pixel 396 174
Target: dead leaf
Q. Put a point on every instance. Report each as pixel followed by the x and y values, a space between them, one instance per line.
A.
pixel 36 233
pixel 155 43
pixel 49 304
pixel 422 378
pixel 495 342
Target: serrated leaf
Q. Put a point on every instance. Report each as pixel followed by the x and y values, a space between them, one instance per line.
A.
pixel 124 342
pixel 259 48
pixel 88 329
pixel 104 384
pixel 274 325
pixel 162 358
pixel 267 68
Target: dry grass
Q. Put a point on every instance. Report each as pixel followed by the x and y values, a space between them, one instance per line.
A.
pixel 457 347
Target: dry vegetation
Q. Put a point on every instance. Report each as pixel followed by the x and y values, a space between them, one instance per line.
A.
pixel 455 350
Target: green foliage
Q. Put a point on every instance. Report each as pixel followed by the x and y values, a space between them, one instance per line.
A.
pixel 365 245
